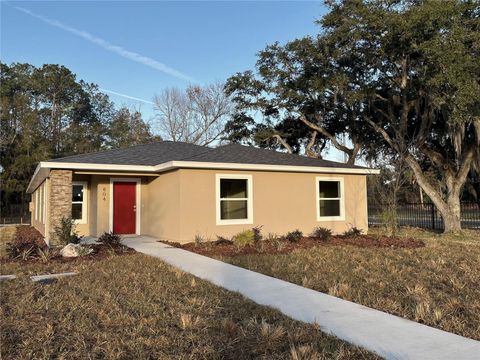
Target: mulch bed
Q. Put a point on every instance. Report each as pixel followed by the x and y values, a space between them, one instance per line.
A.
pixel 282 246
pixel 27 237
pixel 99 252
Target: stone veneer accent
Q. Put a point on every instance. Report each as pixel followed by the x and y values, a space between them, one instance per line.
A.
pixel 60 201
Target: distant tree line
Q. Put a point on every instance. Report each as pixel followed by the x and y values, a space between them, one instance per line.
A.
pixel 45 113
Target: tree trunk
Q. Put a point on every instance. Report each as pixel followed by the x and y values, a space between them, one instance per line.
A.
pixel 449 209
pixel 455 179
pixel 451 217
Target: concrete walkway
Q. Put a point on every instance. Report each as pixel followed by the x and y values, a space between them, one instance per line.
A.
pixel 389 336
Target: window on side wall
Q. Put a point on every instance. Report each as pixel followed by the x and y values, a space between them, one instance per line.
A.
pixel 79 202
pixel 37 203
pixel 234 199
pixel 330 199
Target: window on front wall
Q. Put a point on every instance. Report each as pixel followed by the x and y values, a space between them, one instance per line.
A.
pixel 234 199
pixel 79 200
pixel 330 202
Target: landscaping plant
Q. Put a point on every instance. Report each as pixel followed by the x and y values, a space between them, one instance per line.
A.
pixel 321 233
pixel 66 231
pixel 257 233
pixel 352 232
pixel 109 238
pixel 243 238
pixel 294 236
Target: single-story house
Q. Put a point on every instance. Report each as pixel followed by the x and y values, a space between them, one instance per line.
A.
pixel 176 191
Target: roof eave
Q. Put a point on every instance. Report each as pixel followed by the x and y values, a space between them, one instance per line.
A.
pixel 44 167
pixel 262 167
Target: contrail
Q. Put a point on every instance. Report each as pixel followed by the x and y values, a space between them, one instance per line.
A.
pixel 127 96
pixel 145 60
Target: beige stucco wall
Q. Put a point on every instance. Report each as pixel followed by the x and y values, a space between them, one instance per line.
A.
pixel 282 202
pixel 181 204
pixel 161 216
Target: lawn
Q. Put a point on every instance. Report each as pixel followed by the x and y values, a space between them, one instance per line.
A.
pixel 438 285
pixel 133 306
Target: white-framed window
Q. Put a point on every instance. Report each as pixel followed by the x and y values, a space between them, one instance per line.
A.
pixel 234 199
pixel 79 202
pixel 37 203
pixel 42 203
pixel 330 198
pixel 44 207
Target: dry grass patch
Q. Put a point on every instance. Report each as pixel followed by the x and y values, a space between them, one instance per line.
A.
pixel 137 307
pixel 437 285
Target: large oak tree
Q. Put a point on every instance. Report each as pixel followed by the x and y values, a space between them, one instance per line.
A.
pixel 403 76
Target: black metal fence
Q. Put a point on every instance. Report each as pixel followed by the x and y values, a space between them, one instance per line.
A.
pixel 425 215
pixel 15 214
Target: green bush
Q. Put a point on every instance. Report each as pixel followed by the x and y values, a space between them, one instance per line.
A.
pixel 109 238
pixel 66 232
pixel 294 235
pixel 321 233
pixel 243 238
pixel 352 232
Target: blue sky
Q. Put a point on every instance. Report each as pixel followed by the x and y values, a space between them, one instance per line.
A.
pixel 139 48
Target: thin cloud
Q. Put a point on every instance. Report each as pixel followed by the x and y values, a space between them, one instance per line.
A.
pixel 127 96
pixel 145 60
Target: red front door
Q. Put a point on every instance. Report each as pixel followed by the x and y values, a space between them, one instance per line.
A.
pixel 124 207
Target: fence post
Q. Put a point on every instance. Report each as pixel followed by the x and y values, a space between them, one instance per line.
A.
pixel 432 210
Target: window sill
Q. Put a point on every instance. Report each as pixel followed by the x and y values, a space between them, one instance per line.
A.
pixel 331 218
pixel 235 222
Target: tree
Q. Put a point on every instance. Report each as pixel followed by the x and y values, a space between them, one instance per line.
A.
pixel 197 115
pixel 46 113
pixel 300 83
pixel 399 78
pixel 128 128
pixel 420 83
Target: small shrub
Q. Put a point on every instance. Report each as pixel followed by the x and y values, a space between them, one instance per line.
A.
pixel 321 233
pixel 279 244
pixel 243 238
pixel 20 250
pixel 109 238
pixel 271 237
pixel 45 254
pixel 294 235
pixel 352 232
pixel 66 231
pixel 199 239
pixel 257 233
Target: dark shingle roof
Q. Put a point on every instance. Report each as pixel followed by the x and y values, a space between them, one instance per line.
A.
pixel 148 154
pixel 161 152
pixel 239 154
